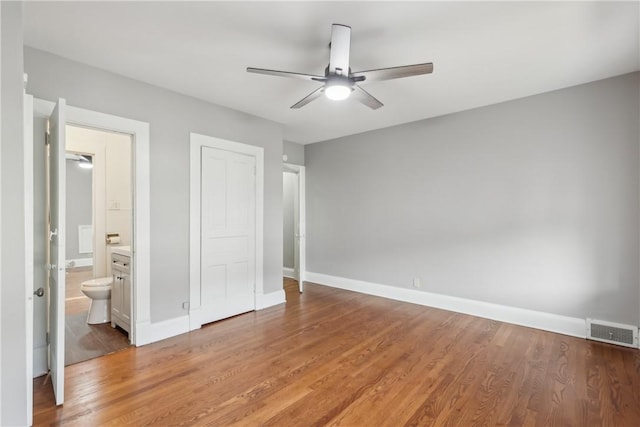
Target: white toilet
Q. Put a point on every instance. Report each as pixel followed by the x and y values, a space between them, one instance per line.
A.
pixel 99 290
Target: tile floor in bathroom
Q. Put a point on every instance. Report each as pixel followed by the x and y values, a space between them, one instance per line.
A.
pixel 84 341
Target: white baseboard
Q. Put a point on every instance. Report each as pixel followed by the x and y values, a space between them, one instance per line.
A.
pixel 147 332
pixel 40 361
pixel 269 300
pixel 289 272
pixel 519 316
pixel 79 262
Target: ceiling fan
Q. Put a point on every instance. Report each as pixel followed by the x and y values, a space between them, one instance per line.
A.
pixel 339 81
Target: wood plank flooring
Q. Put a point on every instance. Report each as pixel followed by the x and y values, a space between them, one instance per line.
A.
pixel 333 357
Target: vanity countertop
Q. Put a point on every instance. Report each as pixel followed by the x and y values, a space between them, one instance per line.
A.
pixel 121 250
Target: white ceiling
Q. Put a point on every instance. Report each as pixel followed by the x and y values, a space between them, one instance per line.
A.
pixel 483 52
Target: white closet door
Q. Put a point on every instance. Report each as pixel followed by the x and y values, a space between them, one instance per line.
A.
pixel 228 234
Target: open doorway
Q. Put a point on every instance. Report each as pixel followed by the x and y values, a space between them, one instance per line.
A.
pixel 46 346
pixel 98 223
pixel 293 191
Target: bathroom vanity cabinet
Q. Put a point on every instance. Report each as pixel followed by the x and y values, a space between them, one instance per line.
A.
pixel 121 291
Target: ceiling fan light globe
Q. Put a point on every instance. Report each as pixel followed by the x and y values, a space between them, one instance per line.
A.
pixel 337 92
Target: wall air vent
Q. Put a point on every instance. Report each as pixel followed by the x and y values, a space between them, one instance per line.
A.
pixel 612 333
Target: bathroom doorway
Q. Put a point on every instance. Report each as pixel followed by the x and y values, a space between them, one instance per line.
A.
pixel 49 204
pixel 294 219
pixel 98 221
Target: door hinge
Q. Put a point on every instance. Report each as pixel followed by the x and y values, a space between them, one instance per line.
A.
pixel 47 338
pixel 47 135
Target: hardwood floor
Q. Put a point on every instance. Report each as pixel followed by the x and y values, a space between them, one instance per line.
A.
pixel 333 357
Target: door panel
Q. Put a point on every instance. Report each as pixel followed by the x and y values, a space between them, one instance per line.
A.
pixel 57 197
pixel 228 237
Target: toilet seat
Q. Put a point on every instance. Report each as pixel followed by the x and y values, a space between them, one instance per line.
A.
pixel 99 291
pixel 101 281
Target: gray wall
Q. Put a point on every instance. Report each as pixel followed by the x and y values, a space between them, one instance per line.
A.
pixel 79 206
pixel 13 369
pixel 532 203
pixel 294 152
pixel 171 116
pixel 289 189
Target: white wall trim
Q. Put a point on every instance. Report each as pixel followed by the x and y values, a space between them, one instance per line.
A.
pixel 28 244
pixel 79 262
pixel 141 245
pixel 151 332
pixel 289 272
pixel 198 141
pixel 1 286
pixel 269 300
pixel 194 319
pixel 302 222
pixel 302 242
pixel 518 316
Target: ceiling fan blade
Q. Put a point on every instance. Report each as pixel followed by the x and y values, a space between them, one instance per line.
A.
pixel 307 99
pixel 284 74
pixel 395 72
pixel 365 98
pixel 340 47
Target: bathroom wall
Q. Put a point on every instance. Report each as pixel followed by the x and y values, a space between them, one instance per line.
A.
pixel 79 208
pixel 112 172
pixel 118 183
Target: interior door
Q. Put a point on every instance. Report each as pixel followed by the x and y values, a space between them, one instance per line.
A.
pixel 228 251
pixel 57 197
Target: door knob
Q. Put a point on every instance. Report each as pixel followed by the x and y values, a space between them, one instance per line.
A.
pixel 39 292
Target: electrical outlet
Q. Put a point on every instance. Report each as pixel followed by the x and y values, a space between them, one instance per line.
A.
pixel 416 282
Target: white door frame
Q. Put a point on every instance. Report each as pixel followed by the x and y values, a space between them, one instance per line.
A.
pixel 300 233
pixel 141 242
pixel 28 245
pixel 292 272
pixel 198 141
